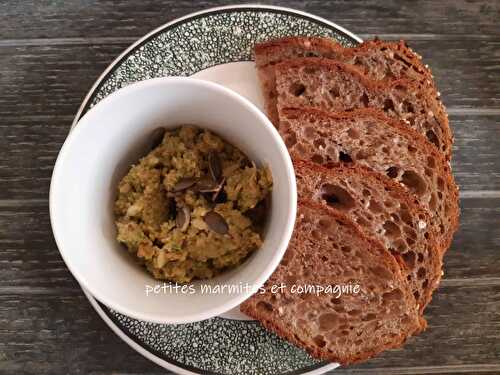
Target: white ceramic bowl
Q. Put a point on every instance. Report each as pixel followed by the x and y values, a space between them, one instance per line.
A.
pixel 97 154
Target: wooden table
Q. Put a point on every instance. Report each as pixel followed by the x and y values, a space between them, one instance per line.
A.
pixel 50 54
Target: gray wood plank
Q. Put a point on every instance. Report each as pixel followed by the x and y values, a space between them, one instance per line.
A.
pixel 29 146
pixel 60 334
pixel 29 257
pixel 476 156
pixel 474 251
pixel 453 326
pixel 124 18
pixel 463 71
pixel 50 80
pixel 51 53
pixel 47 80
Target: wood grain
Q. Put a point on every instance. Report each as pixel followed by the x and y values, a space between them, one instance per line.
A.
pixel 52 51
pixel 30 144
pixel 135 18
pixel 30 259
pixel 43 80
pixel 60 334
pixel 50 80
pixel 67 337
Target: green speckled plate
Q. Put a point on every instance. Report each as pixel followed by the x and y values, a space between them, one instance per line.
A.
pixel 215 45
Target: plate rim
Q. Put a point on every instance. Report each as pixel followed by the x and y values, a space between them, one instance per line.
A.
pixel 322 367
pixel 164 363
pixel 146 37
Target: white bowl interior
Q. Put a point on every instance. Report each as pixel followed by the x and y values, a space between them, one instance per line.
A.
pixel 98 153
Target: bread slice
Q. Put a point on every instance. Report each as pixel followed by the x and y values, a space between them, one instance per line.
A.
pixel 277 50
pixel 385 211
pixel 337 87
pixel 329 249
pixel 370 138
pixel 269 53
pixel 378 59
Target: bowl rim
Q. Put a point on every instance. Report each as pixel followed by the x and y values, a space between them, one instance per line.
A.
pixel 234 300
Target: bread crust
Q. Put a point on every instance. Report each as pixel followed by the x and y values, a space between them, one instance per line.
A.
pixel 401 48
pixel 434 106
pixel 416 325
pixel 301 78
pixel 319 354
pixel 271 52
pixel 399 129
pixel 433 244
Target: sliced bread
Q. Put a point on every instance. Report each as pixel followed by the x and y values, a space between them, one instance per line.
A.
pixel 328 249
pixel 336 87
pixel 378 59
pixel 269 53
pixel 274 51
pixel 385 211
pixel 370 138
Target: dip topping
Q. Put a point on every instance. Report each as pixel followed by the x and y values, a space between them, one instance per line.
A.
pixel 193 207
